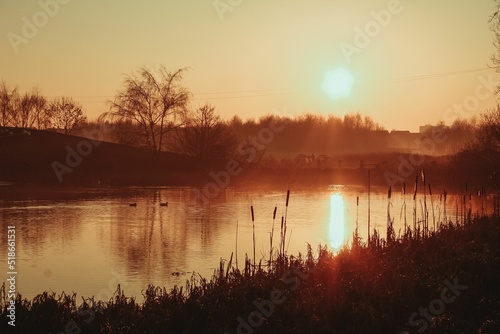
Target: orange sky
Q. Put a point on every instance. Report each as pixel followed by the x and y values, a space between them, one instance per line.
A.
pixel 258 57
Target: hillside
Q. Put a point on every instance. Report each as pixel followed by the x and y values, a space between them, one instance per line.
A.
pixel 34 156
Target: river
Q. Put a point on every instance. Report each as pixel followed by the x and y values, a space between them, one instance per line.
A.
pixel 93 240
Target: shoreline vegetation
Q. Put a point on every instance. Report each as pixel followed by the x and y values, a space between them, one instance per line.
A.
pixel 44 158
pixel 445 281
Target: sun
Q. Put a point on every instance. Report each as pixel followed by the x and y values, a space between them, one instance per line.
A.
pixel 338 83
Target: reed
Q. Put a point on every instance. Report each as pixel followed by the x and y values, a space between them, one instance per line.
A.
pixel 236 246
pixel 469 212
pixel 390 228
pixel 464 209
pixel 284 224
pixel 356 238
pixel 369 204
pixel 464 204
pixel 253 233
pixel 282 239
pixel 404 204
pixel 415 189
pixel 445 194
pixel 271 236
pixel 357 213
pixel 432 206
pixel 425 212
pixel 333 292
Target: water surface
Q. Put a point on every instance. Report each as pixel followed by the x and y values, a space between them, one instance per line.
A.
pixel 88 244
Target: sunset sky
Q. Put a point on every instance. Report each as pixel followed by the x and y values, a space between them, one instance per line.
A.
pixel 258 57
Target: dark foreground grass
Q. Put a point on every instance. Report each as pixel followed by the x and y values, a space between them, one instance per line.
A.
pixel 445 283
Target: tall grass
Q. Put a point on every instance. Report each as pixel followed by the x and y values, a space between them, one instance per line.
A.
pixel 363 289
pixel 390 221
pixel 253 234
pixel 369 205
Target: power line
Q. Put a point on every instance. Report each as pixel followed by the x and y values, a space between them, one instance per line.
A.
pixel 430 76
pixel 284 91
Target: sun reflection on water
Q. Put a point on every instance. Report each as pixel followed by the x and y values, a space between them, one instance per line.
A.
pixel 337 221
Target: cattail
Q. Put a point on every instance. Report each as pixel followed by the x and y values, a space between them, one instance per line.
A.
pixel 369 205
pixel 389 192
pixel 236 244
pixel 416 188
pixel 432 205
pixel 415 203
pixel 404 203
pixel 253 232
pixel 357 215
pixel 286 214
pixel 282 241
pixel 271 236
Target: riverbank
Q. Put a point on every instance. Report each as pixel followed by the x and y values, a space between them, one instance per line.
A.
pixel 445 283
pixel 34 157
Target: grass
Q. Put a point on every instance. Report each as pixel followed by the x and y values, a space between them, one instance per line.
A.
pixel 361 289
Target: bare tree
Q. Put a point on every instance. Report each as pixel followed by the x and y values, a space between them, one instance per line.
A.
pixel 65 114
pixel 204 131
pixel 495 28
pixel 156 101
pixel 8 97
pixel 488 131
pixel 22 110
pixel 26 111
pixel 40 117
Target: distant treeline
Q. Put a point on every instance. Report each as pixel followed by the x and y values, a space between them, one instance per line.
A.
pixel 306 135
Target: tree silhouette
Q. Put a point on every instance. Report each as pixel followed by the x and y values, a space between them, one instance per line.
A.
pixel 495 28
pixel 31 111
pixel 204 131
pixel 65 114
pixel 28 110
pixel 488 132
pixel 8 97
pixel 156 101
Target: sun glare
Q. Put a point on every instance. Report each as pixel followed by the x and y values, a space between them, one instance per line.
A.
pixel 338 83
pixel 337 221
